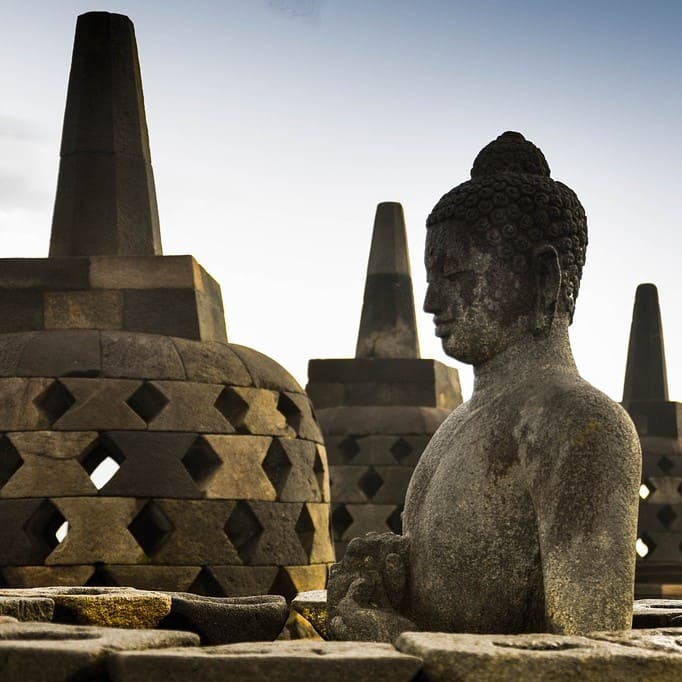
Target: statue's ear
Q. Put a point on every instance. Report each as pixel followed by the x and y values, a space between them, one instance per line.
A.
pixel 547 272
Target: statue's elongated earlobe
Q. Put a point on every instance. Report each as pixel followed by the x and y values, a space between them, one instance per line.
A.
pixel 547 270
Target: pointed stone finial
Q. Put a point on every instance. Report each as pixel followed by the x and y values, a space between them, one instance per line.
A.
pixel 388 327
pixel 106 200
pixel 645 375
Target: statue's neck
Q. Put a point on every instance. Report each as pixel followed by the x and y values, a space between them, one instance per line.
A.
pixel 525 358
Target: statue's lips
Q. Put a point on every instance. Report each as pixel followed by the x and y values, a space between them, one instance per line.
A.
pixel 442 326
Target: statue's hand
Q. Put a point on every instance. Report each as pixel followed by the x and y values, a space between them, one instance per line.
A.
pixel 367 589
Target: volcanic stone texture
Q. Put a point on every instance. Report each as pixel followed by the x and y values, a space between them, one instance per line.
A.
pixel 630 655
pixel 659 426
pixel 158 463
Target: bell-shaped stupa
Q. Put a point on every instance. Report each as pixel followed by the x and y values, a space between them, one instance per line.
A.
pixel 138 447
pixel 379 410
pixel 659 426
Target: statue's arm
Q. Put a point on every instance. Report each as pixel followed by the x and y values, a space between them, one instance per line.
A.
pixel 584 483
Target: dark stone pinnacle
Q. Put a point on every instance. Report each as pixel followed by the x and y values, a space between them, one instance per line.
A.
pixel 388 326
pixel 106 200
pixel 645 376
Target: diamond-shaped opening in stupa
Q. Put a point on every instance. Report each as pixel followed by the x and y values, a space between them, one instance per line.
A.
pixel 341 521
pixel 201 462
pixel 243 530
pixel 233 407
pixel 401 449
pixel 277 465
pixel 291 411
pixel 370 482
pixel 666 515
pixel 101 462
pixel 46 527
pixel 349 448
pixel 10 460
pixel 55 401
pixel 147 401
pixel 151 528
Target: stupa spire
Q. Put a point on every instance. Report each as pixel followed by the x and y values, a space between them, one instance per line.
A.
pixel 645 376
pixel 106 200
pixel 388 327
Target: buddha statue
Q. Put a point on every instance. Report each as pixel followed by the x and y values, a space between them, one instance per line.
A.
pixel 521 514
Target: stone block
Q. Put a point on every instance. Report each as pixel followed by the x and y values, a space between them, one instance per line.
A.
pixel 194 534
pixel 211 317
pixel 665 460
pixel 11 349
pixel 147 577
pixel 657 613
pixel 367 421
pixel 376 450
pixel 21 310
pixel 50 465
pixel 296 470
pixel 243 581
pixel 172 312
pixel 22 407
pixel 121 607
pixel 212 362
pixel 368 518
pixel 83 310
pixel 224 620
pixel 395 480
pixel 345 486
pixel 190 407
pixel 312 605
pixel 44 274
pixel 96 402
pixel 656 418
pixel 27 533
pixel 305 578
pixel 321 548
pixel 240 474
pixel 151 464
pixel 254 411
pixel 275 661
pixel 44 576
pixel 653 654
pixel 97 532
pixel 300 416
pixel 62 353
pixel 140 356
pixel 64 653
pixel 27 608
pixel 144 272
pixel 265 372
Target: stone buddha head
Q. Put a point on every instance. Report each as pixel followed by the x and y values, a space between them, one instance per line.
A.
pixel 504 253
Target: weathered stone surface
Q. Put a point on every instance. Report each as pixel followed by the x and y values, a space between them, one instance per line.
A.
pixel 368 421
pixel 312 606
pixel 240 474
pixel 190 408
pixel 243 581
pixel 45 576
pixel 11 348
pixel 102 606
pixel 21 310
pixel 388 327
pixel 212 363
pixel 64 653
pixel 656 613
pixel 140 356
pixel 51 465
pixel 83 310
pixel 603 656
pixel 521 513
pixel 144 272
pixel 21 404
pixel 97 532
pixel 106 201
pixel 277 661
pixel 265 372
pixel 166 578
pixel 61 354
pixel 27 608
pixel 150 464
pixel 44 274
pixel 96 402
pixel 227 620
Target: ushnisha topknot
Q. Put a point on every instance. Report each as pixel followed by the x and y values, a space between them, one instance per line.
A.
pixel 512 206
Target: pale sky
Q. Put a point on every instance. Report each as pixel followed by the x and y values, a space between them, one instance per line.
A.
pixel 276 126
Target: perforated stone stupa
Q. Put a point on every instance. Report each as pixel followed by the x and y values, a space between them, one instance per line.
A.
pixel 659 425
pixel 114 360
pixel 379 410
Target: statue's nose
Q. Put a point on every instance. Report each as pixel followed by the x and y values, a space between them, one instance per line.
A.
pixel 430 300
